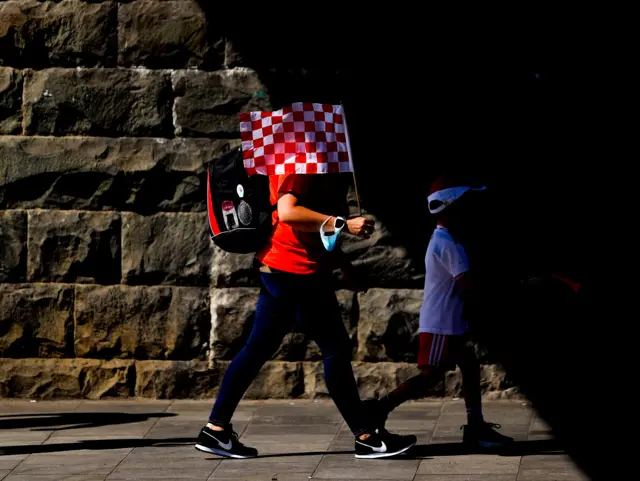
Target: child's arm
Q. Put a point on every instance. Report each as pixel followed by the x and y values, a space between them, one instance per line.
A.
pixel 455 258
pixel 465 283
pixel 468 286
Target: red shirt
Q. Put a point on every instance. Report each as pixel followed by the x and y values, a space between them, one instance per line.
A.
pixel 296 251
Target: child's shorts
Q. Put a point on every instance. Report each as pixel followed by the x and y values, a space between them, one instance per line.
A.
pixel 442 350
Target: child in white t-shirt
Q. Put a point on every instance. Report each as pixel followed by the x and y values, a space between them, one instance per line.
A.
pixel 443 332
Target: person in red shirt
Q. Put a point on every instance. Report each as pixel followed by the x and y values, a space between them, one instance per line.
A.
pixel 296 284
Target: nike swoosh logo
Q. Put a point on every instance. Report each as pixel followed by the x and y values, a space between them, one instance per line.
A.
pixel 224 446
pixel 381 449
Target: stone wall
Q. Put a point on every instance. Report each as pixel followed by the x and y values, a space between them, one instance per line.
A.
pixel 109 284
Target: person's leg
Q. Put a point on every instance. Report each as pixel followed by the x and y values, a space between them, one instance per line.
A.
pixel 271 323
pixel 413 388
pixel 470 369
pixel 269 327
pixel 320 318
pixel 477 432
pixel 432 358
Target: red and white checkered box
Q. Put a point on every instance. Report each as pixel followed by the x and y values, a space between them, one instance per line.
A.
pixel 303 138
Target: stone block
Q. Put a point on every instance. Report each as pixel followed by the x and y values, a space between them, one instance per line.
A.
pixel 99 173
pixel 98 102
pixel 388 326
pixel 181 379
pixel 72 246
pixel 167 34
pixel 278 380
pixel 232 314
pixel 166 249
pixel 207 103
pixel 233 270
pixel 65 33
pixel 163 323
pixel 381 261
pixel 13 246
pixel 36 320
pixel 494 383
pixel 65 378
pixel 10 100
pixel 374 379
pixel 176 380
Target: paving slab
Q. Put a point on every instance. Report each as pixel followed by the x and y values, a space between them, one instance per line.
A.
pixel 23 407
pixel 83 462
pixel 9 462
pixel 546 466
pixel 297 440
pixel 346 466
pixel 463 477
pixel 54 477
pixel 471 464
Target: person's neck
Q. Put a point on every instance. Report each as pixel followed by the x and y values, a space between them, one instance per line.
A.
pixel 444 223
pixel 449 226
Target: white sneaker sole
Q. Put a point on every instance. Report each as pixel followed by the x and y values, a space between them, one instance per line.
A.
pixel 384 455
pixel 220 452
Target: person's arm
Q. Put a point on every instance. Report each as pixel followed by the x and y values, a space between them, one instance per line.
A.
pixel 465 284
pixel 304 219
pixel 455 260
pixel 299 217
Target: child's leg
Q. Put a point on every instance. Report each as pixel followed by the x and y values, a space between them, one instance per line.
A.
pixel 477 432
pixel 470 369
pixel 432 358
pixel 413 388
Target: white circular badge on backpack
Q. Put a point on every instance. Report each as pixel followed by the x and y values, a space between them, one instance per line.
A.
pixel 244 210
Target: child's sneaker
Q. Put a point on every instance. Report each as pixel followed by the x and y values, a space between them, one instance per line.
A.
pixel 484 435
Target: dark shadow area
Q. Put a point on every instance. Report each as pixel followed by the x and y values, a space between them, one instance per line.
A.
pixel 73 420
pixel 97 445
pixel 517 105
pixel 519 448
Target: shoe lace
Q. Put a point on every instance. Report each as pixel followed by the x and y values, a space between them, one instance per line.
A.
pixel 486 425
pixel 232 433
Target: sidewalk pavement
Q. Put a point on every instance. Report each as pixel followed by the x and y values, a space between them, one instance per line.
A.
pixel 297 441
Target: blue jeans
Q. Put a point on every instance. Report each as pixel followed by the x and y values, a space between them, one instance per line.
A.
pixel 311 301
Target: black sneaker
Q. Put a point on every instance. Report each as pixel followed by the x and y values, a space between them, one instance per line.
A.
pixel 376 413
pixel 484 435
pixel 382 444
pixel 224 443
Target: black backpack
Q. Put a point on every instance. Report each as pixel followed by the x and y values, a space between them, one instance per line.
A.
pixel 238 205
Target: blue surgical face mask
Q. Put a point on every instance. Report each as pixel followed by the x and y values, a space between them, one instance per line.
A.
pixel 329 241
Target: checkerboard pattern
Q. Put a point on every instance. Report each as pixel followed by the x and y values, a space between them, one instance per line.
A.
pixel 303 138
